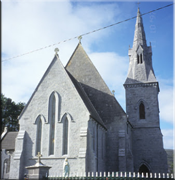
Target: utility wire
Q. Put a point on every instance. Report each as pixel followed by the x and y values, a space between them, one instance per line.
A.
pixel 86 33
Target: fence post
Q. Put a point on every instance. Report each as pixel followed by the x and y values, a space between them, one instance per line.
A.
pixel 138 174
pixel 104 175
pixel 172 176
pixel 167 175
pixel 146 175
pixel 163 175
pixel 151 175
pixel 155 175
pixel 134 175
pixel 129 174
pixel 116 174
pixel 121 174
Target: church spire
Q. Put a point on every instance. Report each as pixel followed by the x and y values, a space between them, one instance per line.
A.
pixel 139 35
pixel 140 57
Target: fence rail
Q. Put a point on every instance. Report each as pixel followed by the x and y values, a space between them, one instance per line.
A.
pixel 112 176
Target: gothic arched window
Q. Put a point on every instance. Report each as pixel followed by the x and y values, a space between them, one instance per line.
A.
pixel 137 59
pixel 39 135
pixel 142 111
pixel 141 58
pixel 65 136
pixel 52 113
pixel 6 166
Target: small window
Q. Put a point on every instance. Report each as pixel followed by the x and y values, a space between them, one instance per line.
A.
pixel 39 135
pixel 142 111
pixel 94 139
pixel 65 136
pixel 137 59
pixel 141 58
pixel 52 123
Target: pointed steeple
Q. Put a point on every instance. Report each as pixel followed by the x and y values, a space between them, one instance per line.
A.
pixel 139 35
pixel 140 57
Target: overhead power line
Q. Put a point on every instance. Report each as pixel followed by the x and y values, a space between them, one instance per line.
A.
pixel 85 33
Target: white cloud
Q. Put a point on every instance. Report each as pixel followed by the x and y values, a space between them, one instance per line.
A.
pixel 166 100
pixel 168 138
pixel 30 25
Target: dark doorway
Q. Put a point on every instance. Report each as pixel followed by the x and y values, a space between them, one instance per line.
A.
pixel 143 169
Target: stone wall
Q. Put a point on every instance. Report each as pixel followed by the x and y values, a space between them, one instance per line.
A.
pixel 147 137
pixel 55 80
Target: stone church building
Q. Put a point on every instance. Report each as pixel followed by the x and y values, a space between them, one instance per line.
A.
pixel 72 113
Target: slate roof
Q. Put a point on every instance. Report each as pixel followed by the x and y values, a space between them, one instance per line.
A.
pixel 82 69
pixel 86 101
pixel 8 141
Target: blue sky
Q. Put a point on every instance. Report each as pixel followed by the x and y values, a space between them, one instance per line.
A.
pixel 36 24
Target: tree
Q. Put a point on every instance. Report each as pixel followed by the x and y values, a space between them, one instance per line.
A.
pixel 10 112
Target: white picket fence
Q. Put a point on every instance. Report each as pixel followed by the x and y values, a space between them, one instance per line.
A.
pixel 116 175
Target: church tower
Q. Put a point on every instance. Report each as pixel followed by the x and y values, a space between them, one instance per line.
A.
pixel 142 106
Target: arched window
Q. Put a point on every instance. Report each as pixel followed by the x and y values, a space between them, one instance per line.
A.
pixel 52 112
pixel 142 111
pixel 141 58
pixel 6 166
pixel 65 136
pixel 39 135
pixel 137 59
pixel 143 169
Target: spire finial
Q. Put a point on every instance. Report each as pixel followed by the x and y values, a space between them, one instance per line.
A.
pixel 56 50
pixel 79 38
pixel 113 92
pixel 138 4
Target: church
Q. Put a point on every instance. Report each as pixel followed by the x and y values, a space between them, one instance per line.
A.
pixel 72 114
